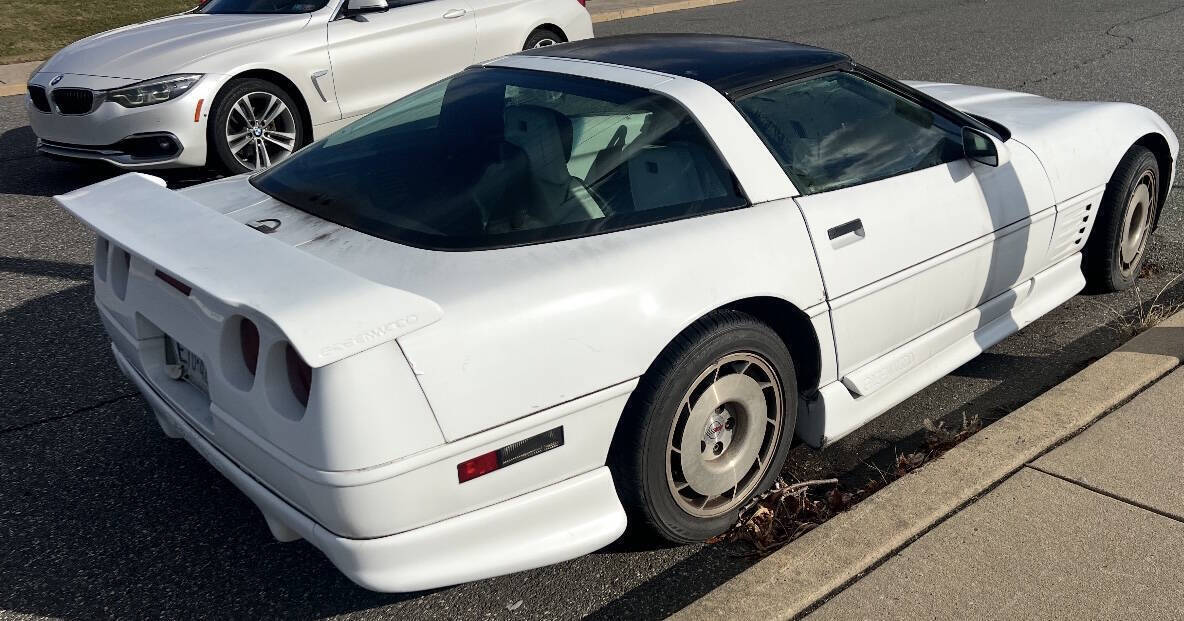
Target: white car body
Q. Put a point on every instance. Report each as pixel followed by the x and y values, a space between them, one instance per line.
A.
pixel 424 359
pixel 338 68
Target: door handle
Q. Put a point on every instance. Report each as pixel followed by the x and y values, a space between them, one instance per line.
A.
pixel 846 233
pixel 454 13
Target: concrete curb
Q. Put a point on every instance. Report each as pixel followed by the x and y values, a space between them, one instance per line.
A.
pixel 828 558
pixel 638 11
pixel 14 76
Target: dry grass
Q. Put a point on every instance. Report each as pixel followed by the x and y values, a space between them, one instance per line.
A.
pixel 35 29
pixel 1147 312
pixel 788 511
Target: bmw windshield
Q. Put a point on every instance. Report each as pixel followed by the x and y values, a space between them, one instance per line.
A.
pixel 260 7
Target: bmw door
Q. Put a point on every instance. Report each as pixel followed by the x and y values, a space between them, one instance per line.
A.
pixel 380 56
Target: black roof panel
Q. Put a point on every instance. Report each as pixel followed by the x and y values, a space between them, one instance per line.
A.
pixel 725 63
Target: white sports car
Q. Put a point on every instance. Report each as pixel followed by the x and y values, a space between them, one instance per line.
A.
pixel 475 331
pixel 244 83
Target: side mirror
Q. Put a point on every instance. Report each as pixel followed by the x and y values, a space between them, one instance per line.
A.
pixel 984 148
pixel 355 7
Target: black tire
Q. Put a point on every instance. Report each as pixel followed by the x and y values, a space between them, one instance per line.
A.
pixel 219 148
pixel 639 455
pixel 1103 262
pixel 542 37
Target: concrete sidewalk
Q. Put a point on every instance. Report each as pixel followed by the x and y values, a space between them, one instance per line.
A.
pixel 1093 529
pixel 13 77
pixel 608 10
pixel 1073 503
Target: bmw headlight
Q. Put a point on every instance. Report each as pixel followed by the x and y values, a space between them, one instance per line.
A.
pixel 158 90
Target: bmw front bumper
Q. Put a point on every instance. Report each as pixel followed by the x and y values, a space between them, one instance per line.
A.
pixel 165 135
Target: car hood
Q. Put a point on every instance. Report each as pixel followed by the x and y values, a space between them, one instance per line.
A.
pixel 167 45
pixel 1078 142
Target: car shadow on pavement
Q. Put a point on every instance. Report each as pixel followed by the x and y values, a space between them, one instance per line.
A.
pixel 101 515
pixel 27 174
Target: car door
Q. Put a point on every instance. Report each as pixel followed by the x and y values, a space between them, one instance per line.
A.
pixel 378 57
pixel 908 233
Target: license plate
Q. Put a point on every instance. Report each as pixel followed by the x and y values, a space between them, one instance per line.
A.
pixel 185 365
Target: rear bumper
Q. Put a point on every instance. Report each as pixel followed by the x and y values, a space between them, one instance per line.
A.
pixel 556 523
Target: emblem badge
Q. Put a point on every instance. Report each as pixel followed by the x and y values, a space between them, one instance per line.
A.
pixel 56 79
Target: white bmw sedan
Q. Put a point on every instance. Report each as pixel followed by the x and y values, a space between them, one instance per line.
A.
pixel 245 83
pixel 483 327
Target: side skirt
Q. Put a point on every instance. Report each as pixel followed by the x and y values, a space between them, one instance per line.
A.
pixel 838 410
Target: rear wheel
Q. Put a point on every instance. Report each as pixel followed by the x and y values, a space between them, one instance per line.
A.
pixel 708 428
pixel 255 124
pixel 542 37
pixel 1117 247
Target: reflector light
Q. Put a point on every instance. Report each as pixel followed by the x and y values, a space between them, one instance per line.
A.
pixel 509 454
pixel 197 111
pixel 477 466
pixel 176 284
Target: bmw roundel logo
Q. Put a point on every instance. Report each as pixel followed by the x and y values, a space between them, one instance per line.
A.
pixel 57 79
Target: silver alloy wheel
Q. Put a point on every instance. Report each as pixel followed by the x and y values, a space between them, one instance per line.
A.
pixel 725 434
pixel 1136 223
pixel 260 130
pixel 544 42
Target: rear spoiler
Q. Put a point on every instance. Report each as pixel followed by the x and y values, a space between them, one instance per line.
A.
pixel 327 312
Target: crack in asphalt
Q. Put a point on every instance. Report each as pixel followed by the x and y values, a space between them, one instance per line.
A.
pixel 80 410
pixel 1127 41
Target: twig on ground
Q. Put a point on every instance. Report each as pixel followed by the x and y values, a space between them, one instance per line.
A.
pixel 789 510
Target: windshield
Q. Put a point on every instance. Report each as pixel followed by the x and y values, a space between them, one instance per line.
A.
pixel 264 7
pixel 501 157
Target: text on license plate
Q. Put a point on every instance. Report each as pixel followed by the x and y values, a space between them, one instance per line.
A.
pixel 183 364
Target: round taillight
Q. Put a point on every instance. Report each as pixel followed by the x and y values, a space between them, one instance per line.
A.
pixel 299 375
pixel 248 339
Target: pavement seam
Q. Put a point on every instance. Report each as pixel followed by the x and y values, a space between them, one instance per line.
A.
pixel 808 610
pixel 973 499
pixel 50 419
pixel 1108 494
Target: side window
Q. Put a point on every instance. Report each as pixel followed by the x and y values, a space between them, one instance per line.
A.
pixel 839 130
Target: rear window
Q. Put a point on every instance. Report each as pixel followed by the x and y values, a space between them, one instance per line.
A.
pixel 500 157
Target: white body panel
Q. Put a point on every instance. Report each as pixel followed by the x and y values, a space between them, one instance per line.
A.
pixel 524 339
pixel 388 55
pixel 362 64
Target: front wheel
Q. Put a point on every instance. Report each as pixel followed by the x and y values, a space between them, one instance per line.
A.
pixel 254 124
pixel 1117 247
pixel 708 428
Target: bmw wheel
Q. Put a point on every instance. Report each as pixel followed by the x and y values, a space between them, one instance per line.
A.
pixel 1117 247
pixel 542 37
pixel 708 428
pixel 255 124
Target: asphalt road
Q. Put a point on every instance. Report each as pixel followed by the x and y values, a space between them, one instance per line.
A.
pixel 101 516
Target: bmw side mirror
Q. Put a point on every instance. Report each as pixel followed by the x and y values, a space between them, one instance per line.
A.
pixel 984 148
pixel 357 7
